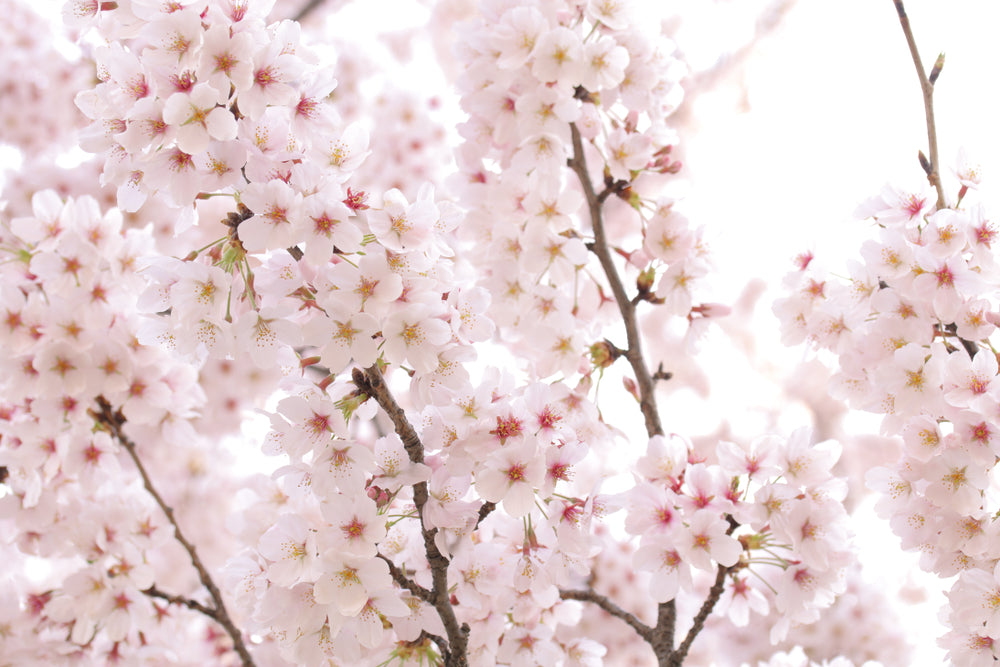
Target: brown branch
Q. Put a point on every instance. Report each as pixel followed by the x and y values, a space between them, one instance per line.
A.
pixel 484 511
pixel 927 89
pixel 714 593
pixel 676 658
pixel 113 422
pixel 455 650
pixel 951 330
pixel 647 397
pixel 662 636
pixel 403 581
pixel 607 605
pixel 155 592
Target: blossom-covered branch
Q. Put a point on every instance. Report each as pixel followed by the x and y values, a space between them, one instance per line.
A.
pixel 113 421
pixel 634 354
pixel 677 657
pixel 373 383
pixel 660 637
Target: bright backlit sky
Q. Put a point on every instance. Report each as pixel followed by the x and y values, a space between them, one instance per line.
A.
pixel 828 111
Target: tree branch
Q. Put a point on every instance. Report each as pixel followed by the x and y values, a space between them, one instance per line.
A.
pixel 607 605
pixel 113 422
pixel 663 634
pixel 634 355
pixel 927 88
pixel 676 657
pixel 660 637
pixel 484 511
pixel 155 592
pixel 403 581
pixel 714 593
pixel 455 651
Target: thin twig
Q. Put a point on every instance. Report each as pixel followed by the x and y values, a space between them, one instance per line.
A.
pixel 155 592
pixel 455 650
pixel 927 89
pixel 607 605
pixel 399 576
pixel 113 422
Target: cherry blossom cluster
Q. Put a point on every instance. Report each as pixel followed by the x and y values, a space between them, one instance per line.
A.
pixel 351 536
pixel 912 331
pixel 544 82
pixel 37 173
pixel 862 625
pixel 204 99
pixel 69 276
pixel 769 511
pixel 33 638
pixel 196 97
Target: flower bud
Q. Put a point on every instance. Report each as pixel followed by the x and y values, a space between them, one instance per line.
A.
pixel 754 541
pixel 632 388
pixel 603 354
pixel 232 254
pixel 645 280
pixel 350 403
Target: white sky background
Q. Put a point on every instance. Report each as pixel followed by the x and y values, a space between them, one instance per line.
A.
pixel 828 111
pixel 824 111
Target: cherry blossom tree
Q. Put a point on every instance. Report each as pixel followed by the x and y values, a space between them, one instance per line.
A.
pixel 458 341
